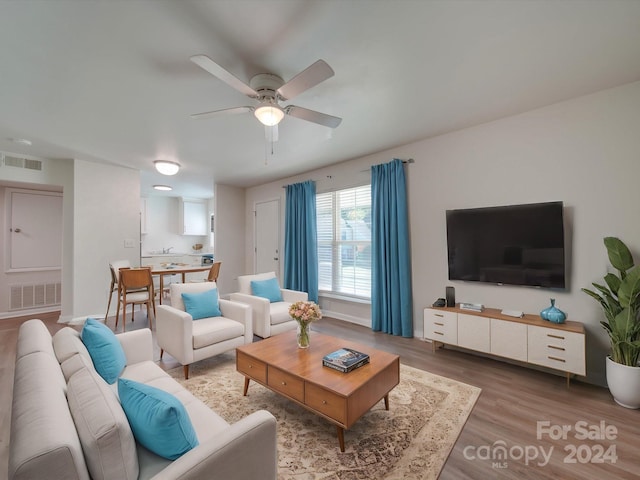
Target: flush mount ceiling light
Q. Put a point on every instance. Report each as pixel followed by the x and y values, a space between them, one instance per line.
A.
pixel 164 188
pixel 22 141
pixel 269 115
pixel 167 167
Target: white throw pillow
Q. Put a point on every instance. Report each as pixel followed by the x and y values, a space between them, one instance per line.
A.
pixel 106 438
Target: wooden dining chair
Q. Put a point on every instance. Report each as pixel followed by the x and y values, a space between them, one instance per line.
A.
pixel 114 268
pixel 136 288
pixel 214 272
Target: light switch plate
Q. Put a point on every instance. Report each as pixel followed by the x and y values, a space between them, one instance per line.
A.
pixel 129 243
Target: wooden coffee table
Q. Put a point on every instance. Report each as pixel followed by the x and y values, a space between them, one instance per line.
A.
pixel 298 374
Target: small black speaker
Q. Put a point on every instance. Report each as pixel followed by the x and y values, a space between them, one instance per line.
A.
pixel 451 297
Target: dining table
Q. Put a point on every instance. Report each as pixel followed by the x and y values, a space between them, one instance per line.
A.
pixel 174 269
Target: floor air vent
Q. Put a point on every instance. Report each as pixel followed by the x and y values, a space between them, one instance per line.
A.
pixel 35 295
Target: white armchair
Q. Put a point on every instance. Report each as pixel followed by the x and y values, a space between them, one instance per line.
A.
pixel 189 340
pixel 268 318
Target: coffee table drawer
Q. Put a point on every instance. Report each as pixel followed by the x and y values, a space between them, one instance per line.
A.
pixel 286 384
pixel 326 402
pixel 251 367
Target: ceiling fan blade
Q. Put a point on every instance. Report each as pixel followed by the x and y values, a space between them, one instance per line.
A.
pixel 313 116
pixel 217 71
pixel 227 111
pixel 309 77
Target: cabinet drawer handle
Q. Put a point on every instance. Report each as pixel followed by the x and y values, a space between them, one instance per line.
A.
pixel 556 347
pixel 439 333
pixel 556 358
pixel 439 324
pixel 555 336
pixel 324 402
pixel 438 315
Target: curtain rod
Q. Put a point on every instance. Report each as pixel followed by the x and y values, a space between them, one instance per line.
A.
pixel 309 179
pixel 408 160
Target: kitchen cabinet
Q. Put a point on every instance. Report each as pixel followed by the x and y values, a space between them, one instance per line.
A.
pixel 193 217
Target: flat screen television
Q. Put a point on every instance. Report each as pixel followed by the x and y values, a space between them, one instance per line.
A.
pixel 510 245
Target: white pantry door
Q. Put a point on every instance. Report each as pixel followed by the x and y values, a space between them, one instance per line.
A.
pixel 35 229
pixel 267 246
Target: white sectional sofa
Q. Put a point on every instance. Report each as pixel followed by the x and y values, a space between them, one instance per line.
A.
pixel 67 422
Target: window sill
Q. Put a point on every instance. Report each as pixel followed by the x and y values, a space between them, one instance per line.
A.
pixel 344 298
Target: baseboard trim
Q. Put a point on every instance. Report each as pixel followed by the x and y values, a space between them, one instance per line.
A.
pixel 365 322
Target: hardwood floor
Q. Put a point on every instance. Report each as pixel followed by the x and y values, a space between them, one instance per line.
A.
pixel 513 400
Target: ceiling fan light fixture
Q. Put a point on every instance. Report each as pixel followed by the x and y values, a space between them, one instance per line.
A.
pixel 269 115
pixel 164 188
pixel 167 167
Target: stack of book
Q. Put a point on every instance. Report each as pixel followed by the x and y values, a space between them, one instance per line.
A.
pixel 345 360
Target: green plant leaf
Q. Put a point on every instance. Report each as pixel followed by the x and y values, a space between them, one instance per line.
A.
pixel 629 290
pixel 620 301
pixel 609 304
pixel 623 334
pixel 619 255
pixel 613 282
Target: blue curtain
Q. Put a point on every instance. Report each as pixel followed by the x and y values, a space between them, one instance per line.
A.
pixel 300 241
pixel 391 298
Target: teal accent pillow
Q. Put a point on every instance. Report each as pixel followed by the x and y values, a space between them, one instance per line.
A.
pixel 106 352
pixel 158 420
pixel 202 305
pixel 269 289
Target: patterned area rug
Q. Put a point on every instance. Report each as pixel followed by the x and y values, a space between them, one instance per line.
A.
pixel 410 441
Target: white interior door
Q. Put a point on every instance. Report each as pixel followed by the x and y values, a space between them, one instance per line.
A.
pixel 35 229
pixel 267 228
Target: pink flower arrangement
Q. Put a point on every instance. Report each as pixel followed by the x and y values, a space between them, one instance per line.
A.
pixel 305 312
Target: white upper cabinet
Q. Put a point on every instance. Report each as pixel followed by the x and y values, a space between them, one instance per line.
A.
pixel 193 217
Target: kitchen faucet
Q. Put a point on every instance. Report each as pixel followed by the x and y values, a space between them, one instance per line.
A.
pixel 166 250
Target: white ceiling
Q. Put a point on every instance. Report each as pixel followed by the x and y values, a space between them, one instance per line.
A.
pixel 112 81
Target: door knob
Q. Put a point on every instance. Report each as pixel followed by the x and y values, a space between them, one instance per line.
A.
pixel 17 230
pixel 275 258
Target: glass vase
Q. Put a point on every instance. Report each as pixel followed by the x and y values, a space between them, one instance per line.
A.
pixel 303 335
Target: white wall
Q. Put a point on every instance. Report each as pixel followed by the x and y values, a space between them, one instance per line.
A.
pixel 229 235
pixel 106 213
pixel 584 152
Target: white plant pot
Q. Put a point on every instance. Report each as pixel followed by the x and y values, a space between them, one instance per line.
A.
pixel 624 383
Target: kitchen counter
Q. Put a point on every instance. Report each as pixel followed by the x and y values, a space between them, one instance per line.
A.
pixel 172 254
pixel 176 261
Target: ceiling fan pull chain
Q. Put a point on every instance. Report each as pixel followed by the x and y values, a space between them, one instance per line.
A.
pixel 265 153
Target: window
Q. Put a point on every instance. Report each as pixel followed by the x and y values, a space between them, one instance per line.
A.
pixel 344 242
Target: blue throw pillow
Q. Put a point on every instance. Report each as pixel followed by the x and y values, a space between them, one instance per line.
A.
pixel 202 305
pixel 158 420
pixel 269 289
pixel 106 352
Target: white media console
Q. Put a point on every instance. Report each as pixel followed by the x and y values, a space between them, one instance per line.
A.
pixel 527 339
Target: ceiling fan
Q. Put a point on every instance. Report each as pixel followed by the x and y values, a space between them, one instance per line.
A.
pixel 269 90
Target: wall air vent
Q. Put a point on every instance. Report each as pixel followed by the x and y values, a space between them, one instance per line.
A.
pixel 35 295
pixel 19 162
pixel 32 164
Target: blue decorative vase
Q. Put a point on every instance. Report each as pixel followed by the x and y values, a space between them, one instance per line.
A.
pixel 553 314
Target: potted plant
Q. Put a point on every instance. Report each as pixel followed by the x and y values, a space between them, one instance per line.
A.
pixel 620 301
